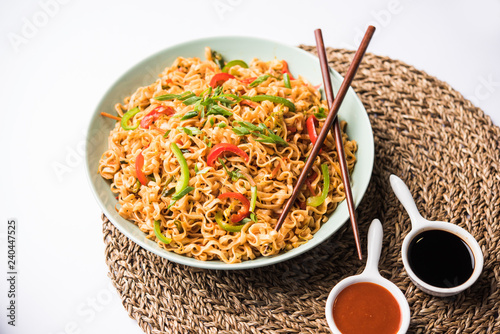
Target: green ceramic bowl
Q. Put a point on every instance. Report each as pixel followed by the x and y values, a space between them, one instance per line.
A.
pixel 245 48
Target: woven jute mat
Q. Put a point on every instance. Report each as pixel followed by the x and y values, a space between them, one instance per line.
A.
pixel 443 147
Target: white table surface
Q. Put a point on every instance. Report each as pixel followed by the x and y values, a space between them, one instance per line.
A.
pixel 59 56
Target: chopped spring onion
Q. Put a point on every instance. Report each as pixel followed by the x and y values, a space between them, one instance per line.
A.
pixel 190 130
pixel 218 59
pixel 259 80
pixel 272 98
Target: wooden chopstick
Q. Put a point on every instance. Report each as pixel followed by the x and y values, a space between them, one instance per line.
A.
pixel 331 117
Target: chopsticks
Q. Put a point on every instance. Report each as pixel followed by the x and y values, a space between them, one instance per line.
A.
pixel 337 133
pixel 334 106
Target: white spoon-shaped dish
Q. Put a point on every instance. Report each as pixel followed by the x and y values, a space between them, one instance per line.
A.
pixel 371 275
pixel 418 225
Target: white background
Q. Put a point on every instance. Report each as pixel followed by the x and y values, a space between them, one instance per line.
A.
pixel 59 57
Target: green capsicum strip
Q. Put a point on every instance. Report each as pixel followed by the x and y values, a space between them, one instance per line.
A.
pixel 272 98
pixel 181 188
pixel 253 199
pixel 184 179
pixel 234 63
pixel 317 200
pixel 226 226
pixel 159 235
pixel 286 78
pixel 253 203
pixel 128 115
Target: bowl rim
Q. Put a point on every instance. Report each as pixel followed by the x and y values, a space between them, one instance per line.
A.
pixel 217 264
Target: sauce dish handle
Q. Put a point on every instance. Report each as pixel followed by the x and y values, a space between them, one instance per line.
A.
pixel 375 236
pixel 403 194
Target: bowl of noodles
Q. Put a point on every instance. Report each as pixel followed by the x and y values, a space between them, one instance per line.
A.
pixel 194 151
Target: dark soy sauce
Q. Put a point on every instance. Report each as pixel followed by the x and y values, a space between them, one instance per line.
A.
pixel 440 258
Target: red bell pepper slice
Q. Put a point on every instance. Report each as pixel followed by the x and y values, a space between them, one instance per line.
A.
pixel 219 79
pixel 139 163
pixel 221 148
pixel 245 209
pixel 311 128
pixel 309 180
pixel 285 69
pixel 248 81
pixel 276 170
pixel 153 115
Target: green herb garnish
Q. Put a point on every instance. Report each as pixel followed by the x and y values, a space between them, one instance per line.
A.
pixel 321 113
pixel 218 110
pixel 208 142
pixel 244 221
pixel 234 175
pixel 272 98
pixel 181 97
pixel 188 115
pixel 192 100
pixel 183 193
pixel 259 80
pixel 261 131
pixel 203 171
pixel 168 192
pixel 180 195
pixel 208 103
pixel 218 59
pixel 136 187
pixel 190 130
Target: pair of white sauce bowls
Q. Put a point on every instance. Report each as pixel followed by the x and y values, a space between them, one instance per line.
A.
pixel 441 259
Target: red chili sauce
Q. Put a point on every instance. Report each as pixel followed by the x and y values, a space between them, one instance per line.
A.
pixel 363 308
